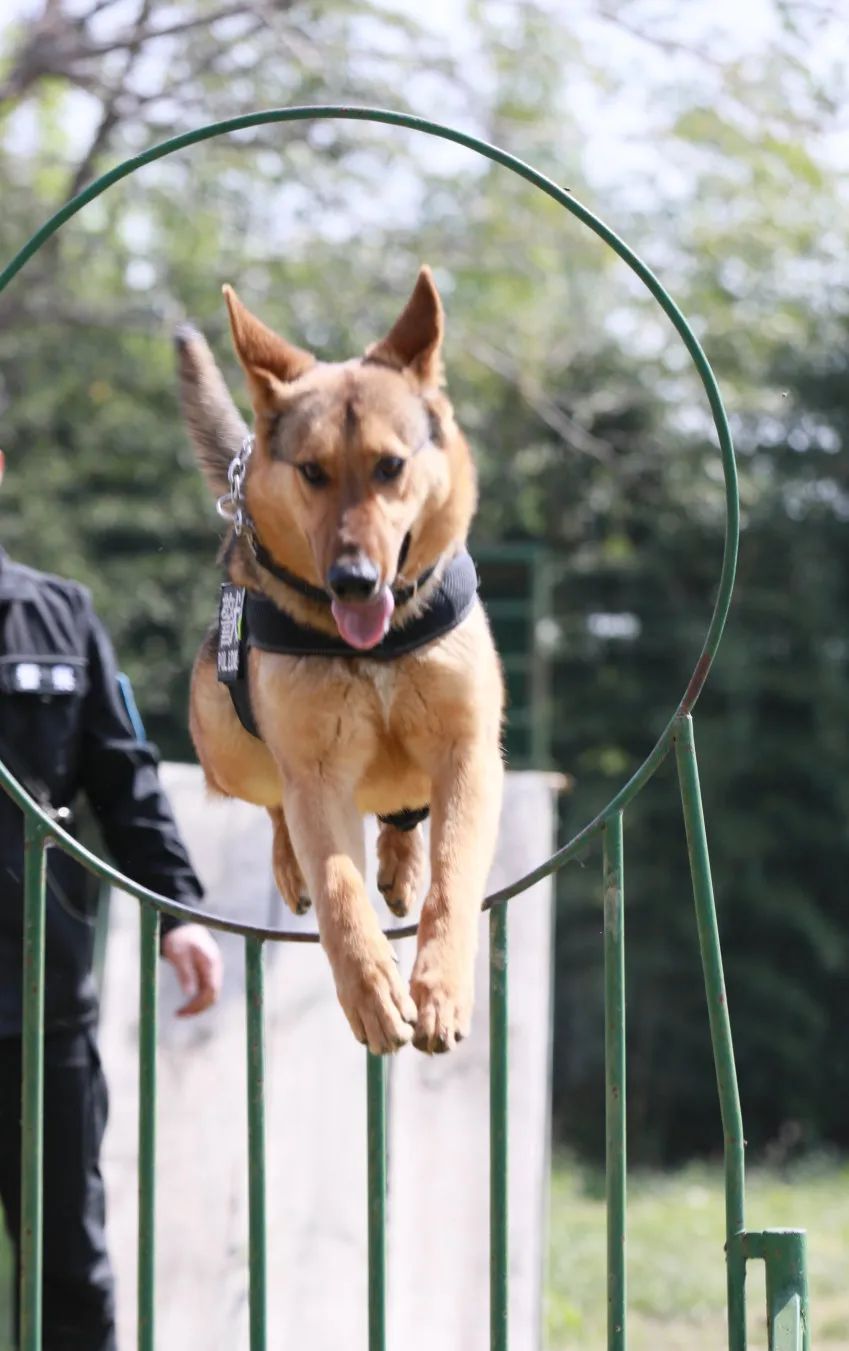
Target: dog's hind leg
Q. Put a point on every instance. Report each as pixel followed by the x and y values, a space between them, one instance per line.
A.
pixel 287 872
pixel 400 866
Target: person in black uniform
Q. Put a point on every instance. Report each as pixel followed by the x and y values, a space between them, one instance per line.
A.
pixel 65 729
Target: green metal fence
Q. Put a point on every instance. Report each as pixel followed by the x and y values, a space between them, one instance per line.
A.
pixel 782 1251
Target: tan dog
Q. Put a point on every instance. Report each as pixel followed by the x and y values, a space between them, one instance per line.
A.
pixel 361 485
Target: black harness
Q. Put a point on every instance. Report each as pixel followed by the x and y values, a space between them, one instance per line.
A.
pixel 249 619
pixel 402 594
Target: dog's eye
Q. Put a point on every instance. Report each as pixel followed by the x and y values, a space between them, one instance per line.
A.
pixel 388 468
pixel 313 473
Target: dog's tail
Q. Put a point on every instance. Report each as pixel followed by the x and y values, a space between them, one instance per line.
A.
pixel 215 425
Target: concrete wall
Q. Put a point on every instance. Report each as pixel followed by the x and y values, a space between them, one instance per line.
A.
pixel 438 1144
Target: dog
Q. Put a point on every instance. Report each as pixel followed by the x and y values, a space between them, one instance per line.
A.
pixel 350 508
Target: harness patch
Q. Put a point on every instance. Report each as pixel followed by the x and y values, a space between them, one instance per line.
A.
pixel 231 608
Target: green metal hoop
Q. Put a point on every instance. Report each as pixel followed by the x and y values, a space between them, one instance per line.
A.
pixel 673 313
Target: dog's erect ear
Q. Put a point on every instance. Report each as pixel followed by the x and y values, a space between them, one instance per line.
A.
pixel 415 340
pixel 269 360
pixel 212 419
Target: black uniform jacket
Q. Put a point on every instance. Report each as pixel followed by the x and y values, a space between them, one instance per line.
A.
pixel 64 729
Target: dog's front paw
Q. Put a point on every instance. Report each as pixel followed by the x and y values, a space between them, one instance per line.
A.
pixel 441 986
pixel 400 867
pixel 375 998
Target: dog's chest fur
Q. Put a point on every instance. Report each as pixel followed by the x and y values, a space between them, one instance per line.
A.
pixel 382 677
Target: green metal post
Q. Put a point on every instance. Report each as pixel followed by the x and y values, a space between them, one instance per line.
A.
pixel 614 1072
pixel 255 1020
pixel 376 1131
pixel 788 1322
pixel 148 1011
pixel 499 1255
pixel 32 1089
pixel 720 1029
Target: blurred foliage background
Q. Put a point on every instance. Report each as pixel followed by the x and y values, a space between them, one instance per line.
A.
pixel 715 142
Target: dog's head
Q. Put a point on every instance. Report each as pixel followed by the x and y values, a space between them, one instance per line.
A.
pixel 359 479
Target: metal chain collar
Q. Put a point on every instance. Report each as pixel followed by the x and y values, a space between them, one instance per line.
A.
pixel 231 505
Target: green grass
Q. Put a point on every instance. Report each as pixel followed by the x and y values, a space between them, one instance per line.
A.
pixel 676 1264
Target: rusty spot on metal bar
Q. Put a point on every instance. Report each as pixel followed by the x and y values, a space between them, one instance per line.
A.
pixel 697 680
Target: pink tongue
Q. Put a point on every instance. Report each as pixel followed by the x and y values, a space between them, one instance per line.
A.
pixel 364 623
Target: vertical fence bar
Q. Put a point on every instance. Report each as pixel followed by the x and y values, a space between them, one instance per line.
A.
pixel 720 1029
pixel 788 1321
pixel 498 1124
pixel 255 1024
pixel 32 1087
pixel 614 1073
pixel 148 1015
pixel 148 1020
pixel 376 1148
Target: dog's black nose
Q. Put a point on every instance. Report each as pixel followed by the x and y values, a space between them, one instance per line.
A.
pixel 353 578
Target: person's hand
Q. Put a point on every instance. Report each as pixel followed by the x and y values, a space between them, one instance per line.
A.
pixel 196 958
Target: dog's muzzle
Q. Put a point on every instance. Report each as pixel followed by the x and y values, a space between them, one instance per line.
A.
pixel 361 606
pixel 353 578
